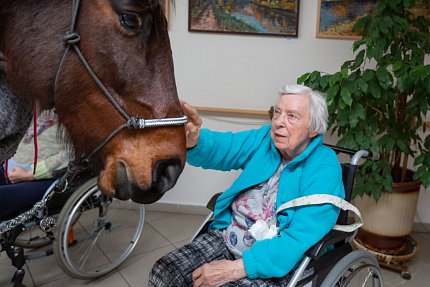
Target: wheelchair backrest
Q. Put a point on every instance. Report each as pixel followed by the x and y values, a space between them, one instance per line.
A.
pixel 348 177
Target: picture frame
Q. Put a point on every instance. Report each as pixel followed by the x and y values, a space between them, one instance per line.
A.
pixel 167 9
pixel 252 17
pixel 336 18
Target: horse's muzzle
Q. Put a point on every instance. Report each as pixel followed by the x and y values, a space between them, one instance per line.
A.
pixel 165 173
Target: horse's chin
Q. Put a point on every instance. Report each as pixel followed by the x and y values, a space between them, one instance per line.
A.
pixel 148 196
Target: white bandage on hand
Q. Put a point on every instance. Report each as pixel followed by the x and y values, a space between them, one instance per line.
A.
pixel 262 230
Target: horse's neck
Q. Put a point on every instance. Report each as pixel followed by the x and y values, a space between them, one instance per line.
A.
pixel 31 59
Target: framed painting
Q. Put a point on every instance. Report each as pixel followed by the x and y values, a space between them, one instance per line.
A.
pixel 256 17
pixel 336 18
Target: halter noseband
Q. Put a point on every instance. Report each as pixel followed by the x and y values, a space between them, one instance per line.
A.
pixel 72 39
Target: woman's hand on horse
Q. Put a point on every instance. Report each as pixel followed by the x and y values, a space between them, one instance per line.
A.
pixel 192 128
pixel 18 174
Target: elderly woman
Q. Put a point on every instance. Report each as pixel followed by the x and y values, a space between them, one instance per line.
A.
pixel 28 185
pixel 280 162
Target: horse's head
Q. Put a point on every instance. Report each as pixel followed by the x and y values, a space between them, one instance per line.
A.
pixel 126 44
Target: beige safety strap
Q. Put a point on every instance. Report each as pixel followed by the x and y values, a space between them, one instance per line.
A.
pixel 324 199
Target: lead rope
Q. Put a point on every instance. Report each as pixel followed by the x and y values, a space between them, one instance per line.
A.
pixel 6 163
pixel 36 150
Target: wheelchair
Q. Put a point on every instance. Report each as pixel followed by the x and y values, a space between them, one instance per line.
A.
pixel 332 261
pixel 89 233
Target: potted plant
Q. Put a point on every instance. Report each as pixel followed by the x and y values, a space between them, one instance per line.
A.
pixel 379 101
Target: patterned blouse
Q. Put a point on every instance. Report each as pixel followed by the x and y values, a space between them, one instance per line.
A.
pixel 257 202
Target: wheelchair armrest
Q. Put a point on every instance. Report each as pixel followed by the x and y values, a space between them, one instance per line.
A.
pixel 212 201
pixel 333 237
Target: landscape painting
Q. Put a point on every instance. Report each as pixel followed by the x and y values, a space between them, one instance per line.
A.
pixel 337 17
pixel 258 17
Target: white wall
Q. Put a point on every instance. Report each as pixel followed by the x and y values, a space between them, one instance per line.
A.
pixel 239 71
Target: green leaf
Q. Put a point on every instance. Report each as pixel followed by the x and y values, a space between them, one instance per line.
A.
pixel 346 64
pixel 346 96
pixel 324 82
pixel 358 60
pixel 368 75
pixel 332 92
pixel 397 66
pixel 303 78
pixel 360 23
pixel 375 90
pixel 314 75
pixel 362 85
pixel 378 52
pixel 403 146
pixel 335 78
pixel 361 112
pixel 382 74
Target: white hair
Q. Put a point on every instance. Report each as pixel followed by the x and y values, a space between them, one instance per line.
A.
pixel 318 111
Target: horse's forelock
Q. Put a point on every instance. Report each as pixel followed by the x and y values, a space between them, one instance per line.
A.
pixel 159 4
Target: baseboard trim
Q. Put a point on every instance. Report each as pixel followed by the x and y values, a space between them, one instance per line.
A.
pixel 421 227
pixel 177 208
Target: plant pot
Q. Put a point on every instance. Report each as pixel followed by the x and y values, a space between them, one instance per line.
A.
pixel 388 222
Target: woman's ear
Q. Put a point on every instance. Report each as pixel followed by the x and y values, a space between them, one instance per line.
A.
pixel 313 134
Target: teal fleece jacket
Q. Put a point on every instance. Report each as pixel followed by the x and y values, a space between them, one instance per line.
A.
pixel 316 170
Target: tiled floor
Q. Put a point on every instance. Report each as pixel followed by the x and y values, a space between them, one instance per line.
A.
pixel 162 233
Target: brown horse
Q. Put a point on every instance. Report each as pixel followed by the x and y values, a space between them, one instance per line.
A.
pixel 126 46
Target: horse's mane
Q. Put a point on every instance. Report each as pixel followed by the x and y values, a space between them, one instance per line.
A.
pixel 64 139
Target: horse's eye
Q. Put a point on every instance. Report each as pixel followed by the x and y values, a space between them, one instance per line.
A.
pixel 132 21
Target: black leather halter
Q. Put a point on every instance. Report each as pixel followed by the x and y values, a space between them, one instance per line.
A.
pixel 72 39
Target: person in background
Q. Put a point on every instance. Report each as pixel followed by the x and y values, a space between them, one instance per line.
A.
pixel 24 186
pixel 280 162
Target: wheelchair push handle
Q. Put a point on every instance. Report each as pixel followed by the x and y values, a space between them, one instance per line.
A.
pixel 374 156
pixel 357 155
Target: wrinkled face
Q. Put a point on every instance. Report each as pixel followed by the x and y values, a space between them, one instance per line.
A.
pixel 126 44
pixel 290 132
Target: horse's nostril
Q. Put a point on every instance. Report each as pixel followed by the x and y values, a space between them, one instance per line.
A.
pixel 165 174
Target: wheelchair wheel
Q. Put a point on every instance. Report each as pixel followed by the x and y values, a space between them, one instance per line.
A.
pixel 358 268
pixel 96 233
pixel 33 237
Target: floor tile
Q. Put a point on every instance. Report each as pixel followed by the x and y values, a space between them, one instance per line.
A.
pixel 136 269
pixel 419 279
pixel 45 270
pixel 423 253
pixel 178 227
pixel 113 279
pixel 7 271
pixel 150 239
pixel 152 216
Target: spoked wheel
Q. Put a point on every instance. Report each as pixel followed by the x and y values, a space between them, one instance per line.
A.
pixel 33 237
pixel 358 268
pixel 96 233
